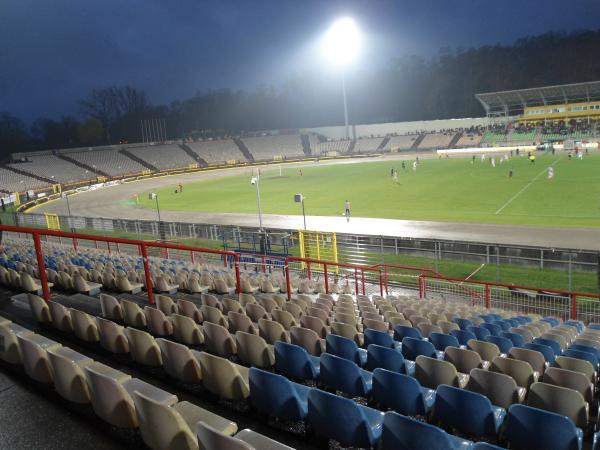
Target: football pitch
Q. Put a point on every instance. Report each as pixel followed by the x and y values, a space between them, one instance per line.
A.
pixel 454 189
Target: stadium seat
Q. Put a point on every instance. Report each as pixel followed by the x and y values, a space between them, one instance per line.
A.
pixel 180 362
pixel 463 336
pixel 186 330
pixel 224 378
pixel 400 332
pixel 143 348
pixel 133 315
pixel 501 389
pixel 432 372
pixel 307 339
pixel 112 336
pixel 554 345
pixel 315 324
pixel 10 351
pixel 529 428
pixel 464 360
pixel 573 380
pixel 544 350
pixel 172 426
pixel 295 362
pixel 240 322
pixel 345 348
pixel 230 304
pixel 462 323
pixel 84 326
pixel 486 350
pixel 503 344
pixel 34 353
pixel 218 341
pixel 343 420
pixel 286 320
pixel 583 355
pixel 213 315
pixel 521 371
pixel 388 358
pixel 256 312
pixel 376 337
pixel 479 332
pixel 276 396
pixel 158 323
pixel 165 304
pixel 578 324
pixel 493 328
pixel 211 439
pixel 253 350
pixel 39 308
pixel 516 339
pixel 533 357
pixel 440 341
pixel 560 400
pixel 272 331
pixel 61 317
pixel 468 412
pixel 401 393
pixel 344 375
pixel 348 331
pixel 412 348
pixel 403 433
pixel 68 374
pixel 576 365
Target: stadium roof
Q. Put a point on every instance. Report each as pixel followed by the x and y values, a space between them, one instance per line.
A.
pixel 513 102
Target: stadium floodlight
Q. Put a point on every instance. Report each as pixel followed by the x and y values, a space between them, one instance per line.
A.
pixel 299 198
pixel 340 45
pixel 255 181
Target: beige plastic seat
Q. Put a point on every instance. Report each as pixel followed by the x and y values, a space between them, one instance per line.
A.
pixel 68 373
pixel 245 298
pixel 307 339
pixel 162 285
pixel 521 371
pixel 321 313
pixel 84 326
pixel 572 380
pixel 211 300
pixel 212 314
pixel 577 365
pixel 133 315
pixel 165 304
pixel 240 322
pixel 111 391
pixel 533 357
pixel 31 285
pixel 83 286
pixel 61 317
pixel 348 318
pixel 254 351
pixel 286 320
pixel 431 372
pixel 527 335
pixel 267 303
pixel 112 336
pixel 272 331
pixel 427 328
pixel 186 330
pixel 189 309
pixel 501 389
pixel 256 312
pixel 194 287
pixel 464 360
pixel 180 361
pixel 220 287
pixel 230 304
pixel 39 308
pixel 158 323
pixel 418 319
pixel 122 284
pixel 210 438
pixel 143 348
pixel 173 427
pixel 294 309
pixel 348 331
pixel 562 342
pixel 560 400
pixel 218 340
pixel 315 324
pixel 224 378
pixel 111 308
pixel 34 349
pixel 486 350
pixel 447 326
pixel 566 334
pixel 10 351
pixel 376 325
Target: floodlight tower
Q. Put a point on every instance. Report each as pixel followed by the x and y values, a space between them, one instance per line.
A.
pixel 340 47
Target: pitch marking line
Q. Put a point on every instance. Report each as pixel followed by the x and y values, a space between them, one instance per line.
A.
pixel 525 187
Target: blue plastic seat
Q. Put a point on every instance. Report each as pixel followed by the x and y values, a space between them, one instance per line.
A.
pixel 552 321
pixel 546 351
pixel 533 428
pixel 554 345
pixel 479 332
pixel 515 338
pixel 513 322
pixel 586 348
pixel 525 319
pixel 345 348
pixel 345 375
pixel 402 393
pixel 343 420
pixel 411 348
pixel 493 328
pixel 522 320
pixel 463 336
pixel 577 324
pixel 594 326
pixel 503 343
pixel 462 323
pixel 402 331
pixel 404 433
pixel 586 356
pixel 469 412
pixel 379 338
pixel 277 396
pixel 441 340
pixel 495 316
pixel 389 359
pixel 295 362
pixel 503 324
pixel 487 318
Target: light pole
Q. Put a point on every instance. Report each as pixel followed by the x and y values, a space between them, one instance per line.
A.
pixel 161 232
pixel 256 182
pixel 340 46
pixel 66 196
pixel 299 198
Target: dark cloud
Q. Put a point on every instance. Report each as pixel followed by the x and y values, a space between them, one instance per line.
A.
pixel 54 53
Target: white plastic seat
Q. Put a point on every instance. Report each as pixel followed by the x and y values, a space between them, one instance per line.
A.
pixel 143 348
pixel 35 357
pixel 69 377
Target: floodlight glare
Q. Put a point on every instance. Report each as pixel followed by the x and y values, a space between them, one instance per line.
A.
pixel 341 41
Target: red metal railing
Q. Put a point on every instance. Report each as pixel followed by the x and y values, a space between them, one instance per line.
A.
pixel 143 246
pixel 401 270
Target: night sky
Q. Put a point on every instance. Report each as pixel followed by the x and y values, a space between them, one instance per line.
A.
pixel 52 53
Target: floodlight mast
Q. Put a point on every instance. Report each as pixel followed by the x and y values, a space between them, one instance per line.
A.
pixel 341 46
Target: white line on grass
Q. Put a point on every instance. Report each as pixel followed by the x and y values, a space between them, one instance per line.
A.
pixel 525 187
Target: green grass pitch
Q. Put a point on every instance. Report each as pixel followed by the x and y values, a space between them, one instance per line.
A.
pixel 453 189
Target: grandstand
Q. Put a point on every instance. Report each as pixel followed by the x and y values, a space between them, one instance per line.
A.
pixel 14 182
pixel 436 140
pixel 268 148
pixel 340 147
pixel 109 161
pixel 217 151
pixel 401 142
pixel 53 168
pixel 365 145
pixel 163 157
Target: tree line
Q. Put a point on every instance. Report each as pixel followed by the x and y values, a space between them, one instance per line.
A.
pixel 407 88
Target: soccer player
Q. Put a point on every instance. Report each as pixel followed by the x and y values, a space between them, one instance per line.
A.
pixel 403 166
pixel 550 173
pixel 473 160
pixel 395 176
pixel 180 187
pixel 415 166
pixel 493 161
pixel 348 206
pixel 510 172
